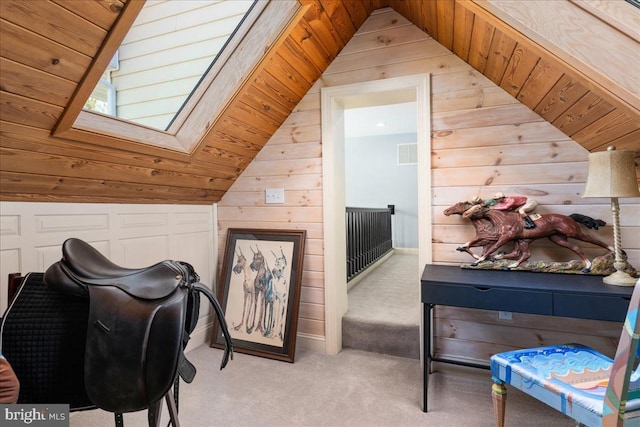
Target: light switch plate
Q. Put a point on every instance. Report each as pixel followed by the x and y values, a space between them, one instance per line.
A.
pixel 274 195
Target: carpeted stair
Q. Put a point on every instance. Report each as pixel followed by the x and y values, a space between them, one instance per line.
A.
pixel 384 310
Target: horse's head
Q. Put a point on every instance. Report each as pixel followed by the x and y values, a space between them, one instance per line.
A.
pixel 241 261
pixel 280 264
pixel 258 260
pixel 458 209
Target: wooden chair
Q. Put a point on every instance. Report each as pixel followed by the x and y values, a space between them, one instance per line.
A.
pixel 577 380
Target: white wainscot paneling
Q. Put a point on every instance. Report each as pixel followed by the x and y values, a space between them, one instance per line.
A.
pixel 9 225
pixel 10 230
pixel 45 256
pixel 144 251
pixel 144 224
pixel 195 249
pixel 185 222
pixel 31 237
pixel 70 223
pixel 9 263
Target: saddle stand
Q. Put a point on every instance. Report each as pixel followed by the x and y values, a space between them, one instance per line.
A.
pixel 140 321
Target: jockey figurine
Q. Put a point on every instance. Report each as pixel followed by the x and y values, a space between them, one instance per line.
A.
pixel 521 203
pixel 488 202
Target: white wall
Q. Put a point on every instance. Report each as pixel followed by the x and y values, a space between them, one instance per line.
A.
pixel 31 235
pixel 373 179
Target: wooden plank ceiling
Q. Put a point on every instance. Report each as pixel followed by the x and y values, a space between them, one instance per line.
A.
pixel 47 48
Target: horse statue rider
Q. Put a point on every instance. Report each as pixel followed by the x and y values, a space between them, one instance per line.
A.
pixel 522 204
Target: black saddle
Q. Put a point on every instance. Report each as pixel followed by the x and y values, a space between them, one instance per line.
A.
pixel 139 323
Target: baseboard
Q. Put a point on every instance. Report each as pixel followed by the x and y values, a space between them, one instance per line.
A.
pixel 406 251
pixel 313 343
pixel 353 282
pixel 201 336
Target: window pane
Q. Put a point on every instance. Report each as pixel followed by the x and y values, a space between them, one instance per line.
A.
pixel 170 46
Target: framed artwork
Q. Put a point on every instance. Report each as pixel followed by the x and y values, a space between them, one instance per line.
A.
pixel 259 291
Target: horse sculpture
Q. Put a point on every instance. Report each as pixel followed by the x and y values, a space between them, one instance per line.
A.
pixel 495 228
pixel 248 289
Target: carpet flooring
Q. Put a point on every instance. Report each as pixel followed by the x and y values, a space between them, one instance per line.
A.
pixel 351 389
pixel 363 386
pixel 384 309
pixel 391 293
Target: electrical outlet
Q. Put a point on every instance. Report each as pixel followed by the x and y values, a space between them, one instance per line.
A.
pixel 505 315
pixel 274 195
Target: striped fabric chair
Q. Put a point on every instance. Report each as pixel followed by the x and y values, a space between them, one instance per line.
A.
pixel 577 380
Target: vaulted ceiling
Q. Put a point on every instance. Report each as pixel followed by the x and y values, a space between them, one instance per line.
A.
pixel 52 53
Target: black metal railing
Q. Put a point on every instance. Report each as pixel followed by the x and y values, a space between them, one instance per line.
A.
pixel 368 237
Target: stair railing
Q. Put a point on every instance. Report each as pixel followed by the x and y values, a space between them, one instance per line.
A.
pixel 369 237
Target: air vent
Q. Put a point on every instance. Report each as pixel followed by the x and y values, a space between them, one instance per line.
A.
pixel 407 154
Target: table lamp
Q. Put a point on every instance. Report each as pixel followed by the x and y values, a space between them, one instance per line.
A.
pixel 612 174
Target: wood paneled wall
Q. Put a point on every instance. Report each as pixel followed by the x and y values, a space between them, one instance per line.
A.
pixel 53 52
pixel 483 141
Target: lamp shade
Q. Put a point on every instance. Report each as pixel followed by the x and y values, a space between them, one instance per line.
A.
pixel 611 174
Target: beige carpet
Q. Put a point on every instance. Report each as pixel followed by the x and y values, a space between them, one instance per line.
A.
pixel 351 389
pixel 389 294
pixel 384 309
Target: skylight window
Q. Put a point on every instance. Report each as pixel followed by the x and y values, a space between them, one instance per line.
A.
pixel 212 84
pixel 164 56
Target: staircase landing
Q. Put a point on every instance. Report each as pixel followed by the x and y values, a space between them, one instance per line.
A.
pixel 384 309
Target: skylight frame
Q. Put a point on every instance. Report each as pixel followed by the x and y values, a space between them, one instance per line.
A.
pixel 182 136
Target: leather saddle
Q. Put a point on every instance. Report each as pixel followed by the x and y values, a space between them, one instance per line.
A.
pixel 139 323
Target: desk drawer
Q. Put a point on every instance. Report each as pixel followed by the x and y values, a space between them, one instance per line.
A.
pixel 596 307
pixel 487 298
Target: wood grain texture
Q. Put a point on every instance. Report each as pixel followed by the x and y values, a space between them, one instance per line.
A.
pixel 274 103
pixel 51 47
pixel 75 32
pixel 483 141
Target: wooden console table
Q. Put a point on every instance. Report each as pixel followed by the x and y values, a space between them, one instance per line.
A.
pixel 548 294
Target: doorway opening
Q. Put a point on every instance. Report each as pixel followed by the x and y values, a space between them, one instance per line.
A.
pixel 334 102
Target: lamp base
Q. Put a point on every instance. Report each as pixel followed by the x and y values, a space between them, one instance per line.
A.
pixel 619 278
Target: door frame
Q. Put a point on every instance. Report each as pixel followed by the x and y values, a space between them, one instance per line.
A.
pixel 334 100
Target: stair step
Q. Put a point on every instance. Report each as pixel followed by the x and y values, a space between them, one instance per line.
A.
pixel 384 309
pixel 385 338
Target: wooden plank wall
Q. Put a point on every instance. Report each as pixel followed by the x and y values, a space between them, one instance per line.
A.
pixel 483 141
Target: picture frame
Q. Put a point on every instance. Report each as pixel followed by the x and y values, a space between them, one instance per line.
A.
pixel 259 291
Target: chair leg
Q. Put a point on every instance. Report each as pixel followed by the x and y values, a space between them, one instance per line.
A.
pixel 499 395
